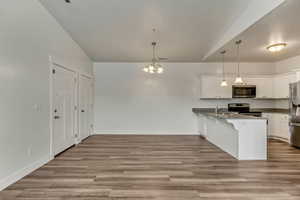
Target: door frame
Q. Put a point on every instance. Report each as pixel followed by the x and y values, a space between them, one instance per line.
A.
pixel 53 64
pixel 91 106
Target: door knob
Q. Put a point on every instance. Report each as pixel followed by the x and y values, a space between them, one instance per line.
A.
pixel 56 117
pixel 82 111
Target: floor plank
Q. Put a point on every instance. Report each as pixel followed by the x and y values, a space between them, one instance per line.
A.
pixel 160 168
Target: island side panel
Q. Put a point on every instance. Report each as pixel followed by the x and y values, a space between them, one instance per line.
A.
pixel 202 125
pixel 223 135
pixel 252 139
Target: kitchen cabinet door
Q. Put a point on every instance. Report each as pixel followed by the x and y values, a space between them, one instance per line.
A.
pixel 268 116
pixel 278 125
pixel 292 78
pixel 274 128
pixel 210 87
pixel 281 86
pixel 264 86
pixel 284 126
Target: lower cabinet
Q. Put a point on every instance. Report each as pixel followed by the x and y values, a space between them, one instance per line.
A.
pixel 278 125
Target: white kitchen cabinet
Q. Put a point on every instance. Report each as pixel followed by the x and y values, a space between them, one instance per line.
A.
pixel 268 116
pixel 210 87
pixel 278 125
pixel 281 85
pixel 292 78
pixel 281 89
pixel 267 87
pixel 264 86
pixel 284 127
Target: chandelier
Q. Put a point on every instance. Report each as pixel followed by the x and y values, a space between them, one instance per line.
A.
pixel 154 67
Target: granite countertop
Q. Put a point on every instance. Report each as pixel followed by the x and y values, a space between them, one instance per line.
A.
pixel 263 110
pixel 271 110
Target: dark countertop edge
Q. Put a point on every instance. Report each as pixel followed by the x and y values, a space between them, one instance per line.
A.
pixel 233 117
pixel 263 110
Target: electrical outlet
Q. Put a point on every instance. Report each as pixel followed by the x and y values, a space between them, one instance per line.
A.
pixel 37 107
pixel 29 151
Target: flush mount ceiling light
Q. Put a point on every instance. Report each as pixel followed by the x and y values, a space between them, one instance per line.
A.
pixel 238 79
pixel 224 82
pixel 154 67
pixel 276 47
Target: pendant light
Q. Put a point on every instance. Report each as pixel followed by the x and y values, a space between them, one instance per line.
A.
pixel 238 79
pixel 154 67
pixel 224 82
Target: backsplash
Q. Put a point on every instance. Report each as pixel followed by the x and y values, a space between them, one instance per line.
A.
pixel 282 104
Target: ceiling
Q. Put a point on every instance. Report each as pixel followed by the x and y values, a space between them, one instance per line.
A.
pixel 281 25
pixel 188 31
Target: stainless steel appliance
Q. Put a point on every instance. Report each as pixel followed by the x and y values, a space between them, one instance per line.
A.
pixel 295 114
pixel 243 108
pixel 243 91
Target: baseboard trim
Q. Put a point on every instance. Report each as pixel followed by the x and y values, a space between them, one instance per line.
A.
pixel 142 133
pixel 279 138
pixel 11 179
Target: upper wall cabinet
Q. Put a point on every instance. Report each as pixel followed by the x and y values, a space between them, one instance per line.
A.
pixel 281 85
pixel 264 86
pixel 267 87
pixel 211 89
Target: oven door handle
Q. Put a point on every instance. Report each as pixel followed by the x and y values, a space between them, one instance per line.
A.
pixel 294 124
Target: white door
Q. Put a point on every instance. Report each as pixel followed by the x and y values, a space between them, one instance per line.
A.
pixel 85 107
pixel 64 86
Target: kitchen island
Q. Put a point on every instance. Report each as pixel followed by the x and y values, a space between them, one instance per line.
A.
pixel 243 137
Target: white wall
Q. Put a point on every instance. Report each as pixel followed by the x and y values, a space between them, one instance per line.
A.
pixel 28 35
pixel 288 65
pixel 127 100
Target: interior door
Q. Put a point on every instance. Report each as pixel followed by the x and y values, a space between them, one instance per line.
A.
pixel 64 85
pixel 85 103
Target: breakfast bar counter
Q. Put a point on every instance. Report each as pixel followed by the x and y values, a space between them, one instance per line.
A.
pixel 243 137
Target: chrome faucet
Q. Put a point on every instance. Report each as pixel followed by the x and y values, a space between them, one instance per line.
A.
pixel 217 109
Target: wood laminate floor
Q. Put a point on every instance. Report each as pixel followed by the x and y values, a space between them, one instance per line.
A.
pixel 160 168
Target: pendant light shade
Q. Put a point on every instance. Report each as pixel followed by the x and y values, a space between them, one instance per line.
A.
pixel 238 79
pixel 224 82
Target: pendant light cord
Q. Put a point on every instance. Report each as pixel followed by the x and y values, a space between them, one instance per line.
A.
pixel 153 52
pixel 154 43
pixel 223 61
pixel 238 56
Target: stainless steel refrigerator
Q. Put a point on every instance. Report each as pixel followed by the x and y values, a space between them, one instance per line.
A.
pixel 295 114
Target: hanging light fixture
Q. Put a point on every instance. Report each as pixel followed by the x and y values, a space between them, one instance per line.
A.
pixel 224 82
pixel 154 67
pixel 238 79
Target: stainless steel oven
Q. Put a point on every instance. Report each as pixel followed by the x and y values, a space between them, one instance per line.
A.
pixel 243 91
pixel 243 109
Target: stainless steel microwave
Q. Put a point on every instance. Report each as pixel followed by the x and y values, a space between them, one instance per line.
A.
pixel 243 91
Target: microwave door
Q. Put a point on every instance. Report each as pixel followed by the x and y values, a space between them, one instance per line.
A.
pixel 244 91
